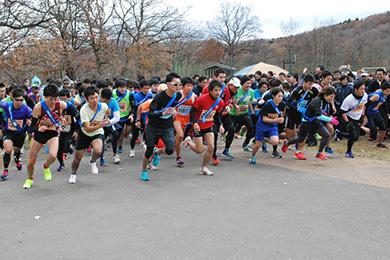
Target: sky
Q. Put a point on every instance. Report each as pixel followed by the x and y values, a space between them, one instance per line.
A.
pixel 272 13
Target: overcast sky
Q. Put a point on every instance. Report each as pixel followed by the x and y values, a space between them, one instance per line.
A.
pixel 305 12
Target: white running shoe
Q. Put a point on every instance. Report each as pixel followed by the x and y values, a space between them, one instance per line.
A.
pixel 117 159
pixel 132 153
pixel 143 145
pixel 22 150
pixel 185 142
pixel 150 166
pixel 206 171
pixel 72 178
pixel 94 168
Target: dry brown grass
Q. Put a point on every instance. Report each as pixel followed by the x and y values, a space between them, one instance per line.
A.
pixel 361 148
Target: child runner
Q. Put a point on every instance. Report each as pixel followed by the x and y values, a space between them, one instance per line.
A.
pixel 271 114
pixel 17 117
pixel 45 126
pixel 202 114
pixel 113 128
pixel 183 115
pixel 68 128
pixel 92 122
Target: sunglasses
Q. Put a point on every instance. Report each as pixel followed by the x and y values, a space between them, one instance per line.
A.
pixel 19 99
pixel 176 84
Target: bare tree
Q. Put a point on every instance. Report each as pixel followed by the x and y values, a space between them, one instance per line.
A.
pixel 289 30
pixel 235 27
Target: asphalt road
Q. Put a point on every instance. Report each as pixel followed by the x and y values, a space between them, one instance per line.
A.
pixel 242 212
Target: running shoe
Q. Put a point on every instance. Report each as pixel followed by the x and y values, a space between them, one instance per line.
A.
pixel 137 141
pixel 120 149
pixel 61 168
pixel 380 145
pixel 47 173
pixel 252 160
pixel 22 151
pixel 185 142
pixel 247 149
pixel 27 184
pixel 117 159
pixel 103 162
pixel 371 139
pixel 4 175
pixel 89 150
pixel 264 147
pixel 276 155
pixel 71 149
pixel 150 166
pixel 143 145
pixel 237 136
pixel 284 146
pixel 132 153
pixel 321 156
pixel 227 154
pixel 206 171
pixel 145 176
pixel 47 149
pixel 329 150
pixel 18 163
pixel 299 156
pixel 336 135
pixel 156 157
pixel 215 160
pixel 72 178
pixel 349 155
pixel 94 168
pixel 179 161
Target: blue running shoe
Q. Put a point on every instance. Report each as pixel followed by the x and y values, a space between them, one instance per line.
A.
pixel 253 160
pixel 61 168
pixel 120 149
pixel 18 163
pixel 4 175
pixel 227 154
pixel 103 163
pixel 145 176
pixel 329 150
pixel 47 149
pixel 264 147
pixel 179 161
pixel 349 155
pixel 156 157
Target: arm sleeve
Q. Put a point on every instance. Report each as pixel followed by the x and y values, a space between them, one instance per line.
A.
pixel 153 108
pixel 324 118
pixel 116 118
pixel 34 127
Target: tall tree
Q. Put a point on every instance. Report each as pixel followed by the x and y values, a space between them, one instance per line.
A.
pixel 235 27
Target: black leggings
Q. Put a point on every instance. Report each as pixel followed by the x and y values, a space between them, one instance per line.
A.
pixel 238 122
pixel 317 126
pixel 135 133
pixel 228 125
pixel 63 146
pixel 354 133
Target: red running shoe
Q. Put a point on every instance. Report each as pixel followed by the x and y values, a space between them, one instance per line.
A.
pixel 284 146
pixel 299 156
pixel 321 156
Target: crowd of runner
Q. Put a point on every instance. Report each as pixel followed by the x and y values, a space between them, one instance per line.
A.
pixel 164 116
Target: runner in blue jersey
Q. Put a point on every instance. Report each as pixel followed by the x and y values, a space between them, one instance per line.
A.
pixel 114 127
pixel 17 116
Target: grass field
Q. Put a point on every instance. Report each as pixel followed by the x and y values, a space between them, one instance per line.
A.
pixel 361 148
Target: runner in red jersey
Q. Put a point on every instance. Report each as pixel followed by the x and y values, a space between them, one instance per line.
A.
pixel 202 116
pixel 45 126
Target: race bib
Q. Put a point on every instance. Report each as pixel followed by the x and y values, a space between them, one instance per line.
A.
pixel 66 127
pixel 184 110
pixel 242 108
pixel 122 106
pixel 12 127
pixel 209 117
pixel 45 121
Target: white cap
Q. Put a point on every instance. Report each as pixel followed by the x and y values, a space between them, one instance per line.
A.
pixel 235 82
